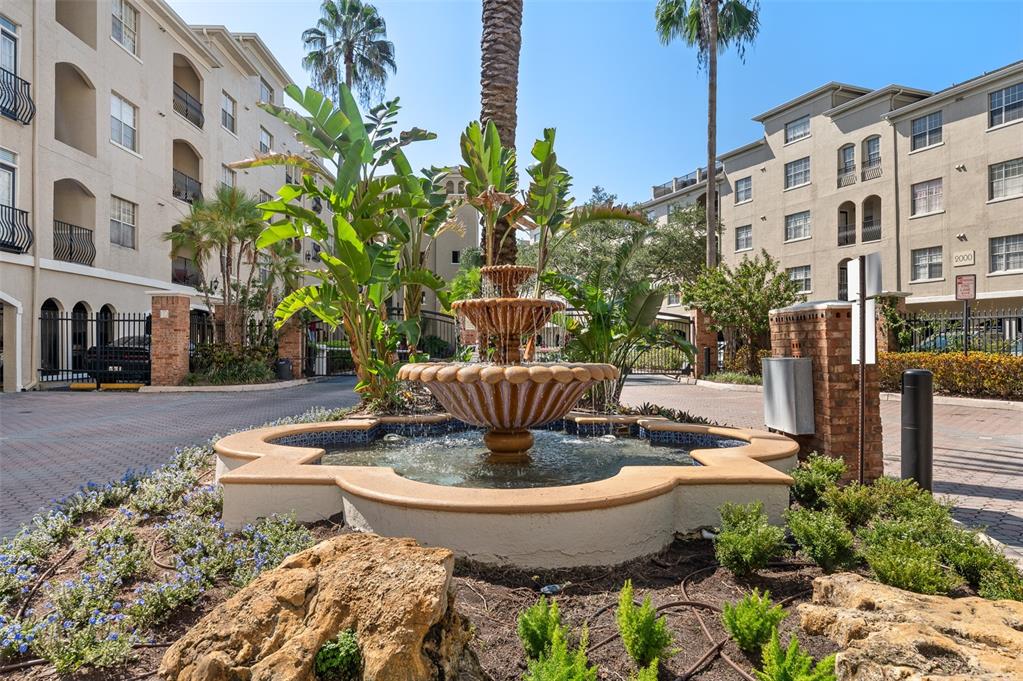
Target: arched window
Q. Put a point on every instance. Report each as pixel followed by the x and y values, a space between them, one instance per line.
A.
pixel 49 336
pixel 871 219
pixel 79 335
pixel 846 165
pixel 847 224
pixel 450 187
pixel 872 157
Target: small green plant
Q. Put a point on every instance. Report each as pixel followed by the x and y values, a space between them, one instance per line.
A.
pixel 560 664
pixel 536 627
pixel 647 673
pixel 751 620
pixel 340 659
pixel 812 477
pixel 822 536
pixel 1002 581
pixel 856 504
pixel 906 564
pixel 747 542
pixel 645 637
pixel 736 377
pixel 896 496
pixel 793 664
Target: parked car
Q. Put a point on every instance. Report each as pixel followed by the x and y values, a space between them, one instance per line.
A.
pixel 125 360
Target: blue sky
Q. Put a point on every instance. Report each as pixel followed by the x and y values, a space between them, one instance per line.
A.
pixel 631 112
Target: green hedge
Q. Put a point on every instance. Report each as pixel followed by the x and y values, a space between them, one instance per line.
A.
pixel 980 374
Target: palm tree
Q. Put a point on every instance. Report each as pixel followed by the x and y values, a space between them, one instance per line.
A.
pixel 350 39
pixel 702 24
pixel 499 92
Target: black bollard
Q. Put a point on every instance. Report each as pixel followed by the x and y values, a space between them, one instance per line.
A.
pixel 918 426
pixel 706 361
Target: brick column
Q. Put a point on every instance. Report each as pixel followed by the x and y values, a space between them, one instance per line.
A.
pixel 290 342
pixel 823 332
pixel 169 342
pixel 886 340
pixel 703 337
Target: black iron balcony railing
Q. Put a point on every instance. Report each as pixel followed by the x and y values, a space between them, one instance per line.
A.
pixel 846 174
pixel 846 235
pixel 188 106
pixel 72 243
pixel 186 188
pixel 15 234
pixel 16 97
pixel 872 230
pixel 871 168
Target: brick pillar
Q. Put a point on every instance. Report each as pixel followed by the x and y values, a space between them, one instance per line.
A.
pixel 886 340
pixel 703 337
pixel 169 343
pixel 290 342
pixel 823 332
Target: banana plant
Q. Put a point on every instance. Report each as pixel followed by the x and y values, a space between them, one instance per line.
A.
pixel 360 235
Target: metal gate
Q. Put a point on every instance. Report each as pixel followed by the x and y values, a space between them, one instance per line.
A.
pixel 100 348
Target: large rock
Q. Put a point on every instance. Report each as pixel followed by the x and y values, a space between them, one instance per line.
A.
pixel 888 634
pixel 395 594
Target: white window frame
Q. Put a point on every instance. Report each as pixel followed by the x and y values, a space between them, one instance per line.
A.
pixel 805 227
pixel 228 176
pixel 744 189
pixel 121 211
pixel 930 129
pixel 745 242
pixel 265 196
pixel 267 147
pixel 118 105
pixel 1005 254
pixel 801 132
pixel 804 274
pixel 129 39
pixel 9 30
pixel 847 165
pixel 871 159
pixel 930 192
pixel 1002 185
pixel 1015 92
pixel 792 175
pixel 9 161
pixel 232 114
pixel 929 258
pixel 266 92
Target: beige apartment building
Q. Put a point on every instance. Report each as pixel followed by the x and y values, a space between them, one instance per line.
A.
pixel 931 181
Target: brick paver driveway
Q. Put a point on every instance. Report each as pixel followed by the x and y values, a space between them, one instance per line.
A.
pixel 978 452
pixel 53 442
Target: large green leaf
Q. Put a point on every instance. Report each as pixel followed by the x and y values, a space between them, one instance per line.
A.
pixel 277 232
pixel 351 250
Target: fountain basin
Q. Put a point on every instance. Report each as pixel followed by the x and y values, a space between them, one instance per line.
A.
pixel 636 512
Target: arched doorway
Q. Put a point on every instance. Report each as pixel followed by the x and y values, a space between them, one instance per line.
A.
pixel 843 279
pixel 74 108
pixel 105 325
pixel 79 335
pixel 49 337
pixel 847 224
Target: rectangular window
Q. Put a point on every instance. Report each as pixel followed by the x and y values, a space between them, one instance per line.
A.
pixel 797 226
pixel 1007 104
pixel 265 196
pixel 8 46
pixel 743 189
pixel 801 275
pixel 266 93
pixel 797 172
pixel 228 110
pixel 926 197
pixel 122 122
pixel 926 263
pixel 1005 179
pixel 674 298
pixel 8 177
pixel 797 129
pixel 456 257
pixel 228 177
pixel 926 130
pixel 125 24
pixel 1007 253
pixel 744 238
pixel 122 222
pixel 266 141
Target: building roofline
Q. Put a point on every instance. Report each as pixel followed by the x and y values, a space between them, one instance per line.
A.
pixel 806 96
pixel 959 88
pixel 165 12
pixel 863 100
pixel 667 198
pixel 225 41
pixel 264 53
pixel 743 149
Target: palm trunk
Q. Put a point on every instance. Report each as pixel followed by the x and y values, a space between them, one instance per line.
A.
pixel 712 128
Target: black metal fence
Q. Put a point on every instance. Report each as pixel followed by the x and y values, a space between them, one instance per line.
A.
pixel 990 330
pixel 99 348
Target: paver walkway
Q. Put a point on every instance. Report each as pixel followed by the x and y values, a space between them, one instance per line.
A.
pixel 53 442
pixel 978 452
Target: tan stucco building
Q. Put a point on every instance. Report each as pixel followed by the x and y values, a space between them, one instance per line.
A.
pixel 931 181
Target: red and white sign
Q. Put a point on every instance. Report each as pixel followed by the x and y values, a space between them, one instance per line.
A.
pixel 966 287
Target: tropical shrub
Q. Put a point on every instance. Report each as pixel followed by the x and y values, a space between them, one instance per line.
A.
pixel 340 658
pixel 561 664
pixel 811 478
pixel 227 364
pixel 537 625
pixel 979 374
pixel 677 415
pixel 793 664
pixel 822 537
pixel 747 542
pixel 1002 580
pixel 751 620
pixel 909 565
pixel 736 377
pixel 647 673
pixel 856 504
pixel 646 638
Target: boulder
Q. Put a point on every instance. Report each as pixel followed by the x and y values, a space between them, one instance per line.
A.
pixel 888 634
pixel 395 594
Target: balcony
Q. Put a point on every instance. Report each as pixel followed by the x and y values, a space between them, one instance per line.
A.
pixel 72 243
pixel 16 98
pixel 186 188
pixel 871 230
pixel 185 272
pixel 846 234
pixel 688 180
pixel 846 175
pixel 871 168
pixel 188 106
pixel 15 234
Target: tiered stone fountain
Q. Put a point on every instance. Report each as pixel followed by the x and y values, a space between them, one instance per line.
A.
pixel 505 396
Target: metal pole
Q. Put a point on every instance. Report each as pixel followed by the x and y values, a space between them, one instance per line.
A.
pixel 918 426
pixel 706 361
pixel 966 328
pixel 862 340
